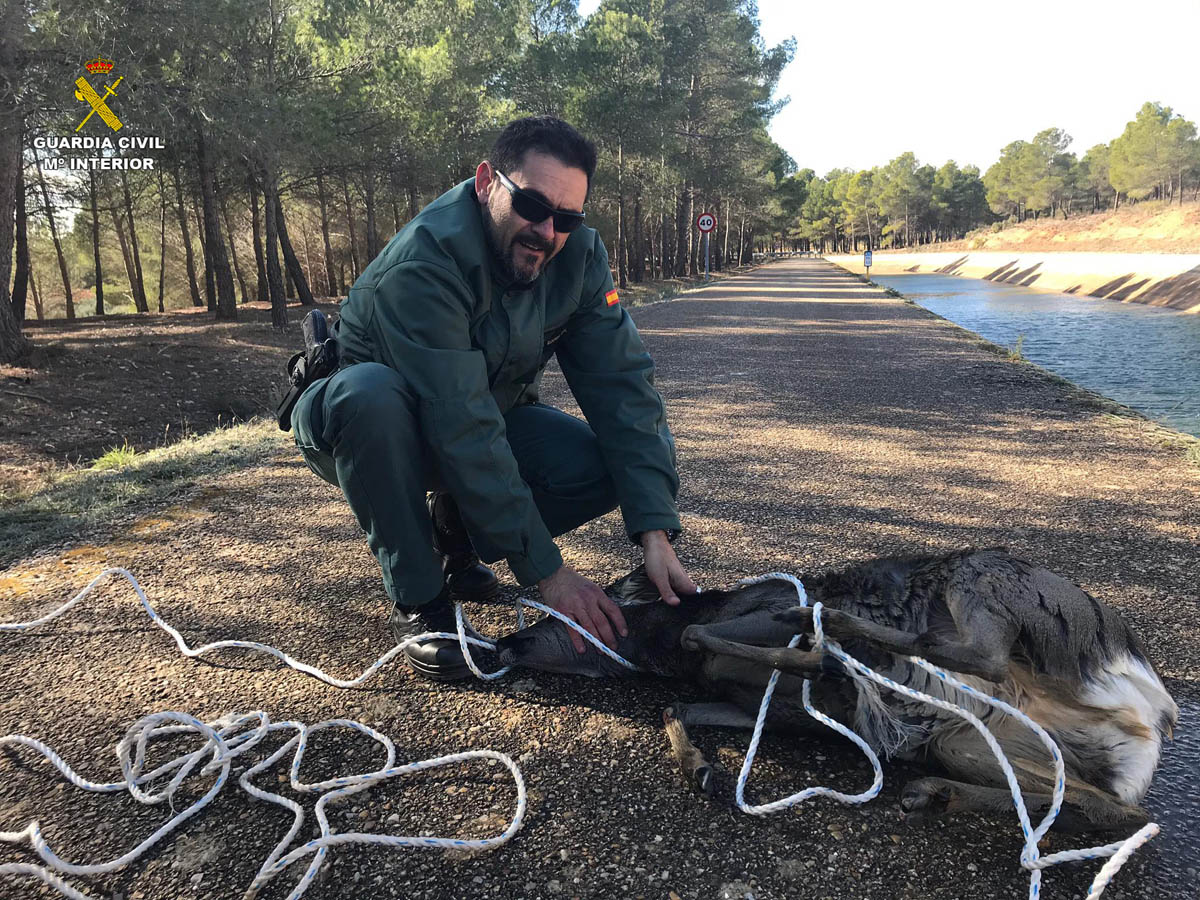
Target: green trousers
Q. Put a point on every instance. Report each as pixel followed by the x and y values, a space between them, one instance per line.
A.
pixel 358 429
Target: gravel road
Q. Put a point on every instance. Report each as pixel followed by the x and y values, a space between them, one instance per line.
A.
pixel 818 421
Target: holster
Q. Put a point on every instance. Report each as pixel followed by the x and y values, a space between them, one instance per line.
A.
pixel 318 359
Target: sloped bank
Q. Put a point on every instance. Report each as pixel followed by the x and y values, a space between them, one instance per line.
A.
pixel 1157 279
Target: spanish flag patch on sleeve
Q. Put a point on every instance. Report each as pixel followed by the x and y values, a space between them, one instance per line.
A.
pixel 611 297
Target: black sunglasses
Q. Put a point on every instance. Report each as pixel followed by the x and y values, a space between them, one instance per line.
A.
pixel 530 207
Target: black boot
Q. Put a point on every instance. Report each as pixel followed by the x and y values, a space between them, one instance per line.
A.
pixel 437 659
pixel 466 577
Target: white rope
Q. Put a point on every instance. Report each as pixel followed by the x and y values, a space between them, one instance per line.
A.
pixel 841 729
pixel 1030 854
pixel 224 740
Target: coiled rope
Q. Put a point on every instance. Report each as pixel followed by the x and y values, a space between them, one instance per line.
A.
pixel 226 738
pixel 1031 858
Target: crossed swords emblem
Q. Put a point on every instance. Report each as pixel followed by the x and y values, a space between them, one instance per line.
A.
pixel 85 92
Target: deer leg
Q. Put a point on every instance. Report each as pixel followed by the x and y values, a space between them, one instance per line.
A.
pixel 801 662
pixel 759 627
pixel 983 788
pixel 696 770
pixel 1084 809
pixel 984 653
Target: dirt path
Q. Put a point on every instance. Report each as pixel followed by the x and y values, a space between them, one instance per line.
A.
pixel 818 421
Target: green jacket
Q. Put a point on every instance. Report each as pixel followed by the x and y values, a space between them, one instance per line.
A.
pixel 471 347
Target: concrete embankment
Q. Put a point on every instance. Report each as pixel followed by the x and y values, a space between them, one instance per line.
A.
pixel 1156 279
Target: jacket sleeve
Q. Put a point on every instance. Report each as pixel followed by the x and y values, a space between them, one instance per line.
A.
pixel 612 377
pixel 420 325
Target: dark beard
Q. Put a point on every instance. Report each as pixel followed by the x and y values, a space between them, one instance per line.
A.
pixel 503 262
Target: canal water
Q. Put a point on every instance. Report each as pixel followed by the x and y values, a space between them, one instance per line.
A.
pixel 1141 356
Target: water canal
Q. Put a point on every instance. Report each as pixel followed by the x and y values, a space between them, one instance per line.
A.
pixel 1141 356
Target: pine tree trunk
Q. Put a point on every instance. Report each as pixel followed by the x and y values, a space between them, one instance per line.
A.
pixel 289 255
pixel 237 268
pixel 652 258
pixel 289 287
pixel 119 228
pixel 622 265
pixel 13 344
pixel 725 249
pixel 664 253
pixel 139 284
pixel 162 239
pixel 331 285
pixel 188 254
pixel 260 262
pixel 210 287
pixel 689 220
pixel 354 265
pixel 62 262
pixel 226 301
pixel 638 259
pixel 21 273
pixel 372 234
pixel 279 318
pixel 308 266
pixel 681 233
pixel 38 309
pixel 96 265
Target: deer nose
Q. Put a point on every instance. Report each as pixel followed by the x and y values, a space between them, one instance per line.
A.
pixel 509 646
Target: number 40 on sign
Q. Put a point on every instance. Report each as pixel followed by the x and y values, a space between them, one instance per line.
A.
pixel 707 223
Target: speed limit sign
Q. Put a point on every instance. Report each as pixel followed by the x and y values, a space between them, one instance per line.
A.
pixel 706 222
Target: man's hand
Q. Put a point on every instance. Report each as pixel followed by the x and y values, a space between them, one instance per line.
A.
pixel 663 567
pixel 573 595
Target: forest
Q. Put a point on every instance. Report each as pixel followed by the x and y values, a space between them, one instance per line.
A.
pixel 290 140
pixel 299 136
pixel 906 204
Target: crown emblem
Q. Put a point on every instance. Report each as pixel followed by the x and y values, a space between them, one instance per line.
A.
pixel 99 65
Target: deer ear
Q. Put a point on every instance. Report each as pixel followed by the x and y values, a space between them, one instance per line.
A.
pixel 636 587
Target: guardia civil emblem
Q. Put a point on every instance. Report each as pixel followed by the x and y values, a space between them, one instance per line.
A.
pixel 99 105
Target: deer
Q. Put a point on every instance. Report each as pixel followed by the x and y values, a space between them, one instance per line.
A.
pixel 1009 628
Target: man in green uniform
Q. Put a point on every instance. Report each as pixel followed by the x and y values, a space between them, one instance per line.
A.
pixel 443 339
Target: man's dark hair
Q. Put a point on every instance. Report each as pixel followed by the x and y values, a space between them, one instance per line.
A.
pixel 543 134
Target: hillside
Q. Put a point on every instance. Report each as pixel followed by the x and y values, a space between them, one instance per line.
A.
pixel 1149 227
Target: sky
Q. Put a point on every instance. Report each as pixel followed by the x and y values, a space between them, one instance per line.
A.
pixel 959 79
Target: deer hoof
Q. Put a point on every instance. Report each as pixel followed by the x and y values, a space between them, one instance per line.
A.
pixel 925 799
pixel 705 781
pixel 691 638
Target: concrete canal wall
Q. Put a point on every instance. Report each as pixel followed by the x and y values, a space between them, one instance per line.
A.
pixel 1156 279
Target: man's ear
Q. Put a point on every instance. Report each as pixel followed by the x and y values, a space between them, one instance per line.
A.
pixel 484 178
pixel 634 588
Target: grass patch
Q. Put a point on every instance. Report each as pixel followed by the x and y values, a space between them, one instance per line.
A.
pixel 1015 353
pixel 80 498
pixel 116 458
